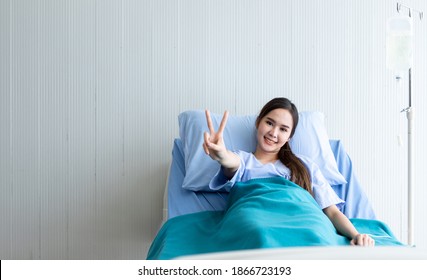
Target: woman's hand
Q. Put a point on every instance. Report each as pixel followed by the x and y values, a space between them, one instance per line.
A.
pixel 363 240
pixel 346 228
pixel 214 146
pixel 213 141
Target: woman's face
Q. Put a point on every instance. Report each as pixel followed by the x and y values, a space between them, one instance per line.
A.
pixel 274 131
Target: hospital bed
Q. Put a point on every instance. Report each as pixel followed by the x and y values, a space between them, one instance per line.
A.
pixel 195 217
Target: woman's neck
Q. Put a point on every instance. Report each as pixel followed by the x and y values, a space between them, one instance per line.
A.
pixel 266 157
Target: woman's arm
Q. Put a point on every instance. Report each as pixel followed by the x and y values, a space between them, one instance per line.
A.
pixel 346 228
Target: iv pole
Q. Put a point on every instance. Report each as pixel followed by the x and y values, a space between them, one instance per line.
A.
pixel 410 116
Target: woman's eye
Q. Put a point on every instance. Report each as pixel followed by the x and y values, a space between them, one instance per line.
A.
pixel 269 122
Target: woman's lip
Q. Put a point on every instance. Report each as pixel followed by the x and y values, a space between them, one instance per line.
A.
pixel 269 141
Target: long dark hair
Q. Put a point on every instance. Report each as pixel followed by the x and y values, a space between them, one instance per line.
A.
pixel 299 173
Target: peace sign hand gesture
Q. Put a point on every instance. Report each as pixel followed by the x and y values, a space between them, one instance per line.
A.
pixel 214 147
pixel 213 141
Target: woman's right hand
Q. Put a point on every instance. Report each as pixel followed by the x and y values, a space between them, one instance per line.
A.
pixel 214 146
pixel 213 141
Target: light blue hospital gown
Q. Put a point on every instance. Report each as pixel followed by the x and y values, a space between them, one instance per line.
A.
pixel 251 168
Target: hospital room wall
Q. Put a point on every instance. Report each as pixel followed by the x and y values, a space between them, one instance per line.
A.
pixel 90 92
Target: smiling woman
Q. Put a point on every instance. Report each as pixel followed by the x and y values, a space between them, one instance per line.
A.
pixel 274 130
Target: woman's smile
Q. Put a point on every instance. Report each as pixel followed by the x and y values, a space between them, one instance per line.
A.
pixel 269 141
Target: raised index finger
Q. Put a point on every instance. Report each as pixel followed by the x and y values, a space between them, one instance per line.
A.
pixel 223 122
pixel 209 121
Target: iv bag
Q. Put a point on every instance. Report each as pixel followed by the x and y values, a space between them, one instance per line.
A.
pixel 399 44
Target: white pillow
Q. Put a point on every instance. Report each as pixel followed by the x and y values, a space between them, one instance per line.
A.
pixel 310 139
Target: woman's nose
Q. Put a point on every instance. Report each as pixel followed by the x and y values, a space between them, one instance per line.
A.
pixel 273 132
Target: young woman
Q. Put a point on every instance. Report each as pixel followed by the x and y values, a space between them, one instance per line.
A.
pixel 276 125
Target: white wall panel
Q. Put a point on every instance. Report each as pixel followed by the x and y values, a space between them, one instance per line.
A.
pixel 82 130
pixel 90 92
pixel 5 134
pixel 139 117
pixel 25 226
pixel 52 127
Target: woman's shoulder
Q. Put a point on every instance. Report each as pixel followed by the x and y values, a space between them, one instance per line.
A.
pixel 317 177
pixel 314 170
pixel 309 163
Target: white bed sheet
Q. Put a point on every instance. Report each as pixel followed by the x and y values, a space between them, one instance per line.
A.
pixel 318 253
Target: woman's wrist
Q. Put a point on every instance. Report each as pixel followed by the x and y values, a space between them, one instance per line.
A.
pixel 356 236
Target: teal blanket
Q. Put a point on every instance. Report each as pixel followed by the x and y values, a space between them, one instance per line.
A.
pixel 261 213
